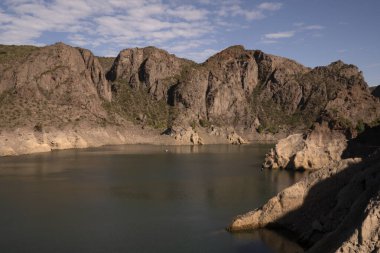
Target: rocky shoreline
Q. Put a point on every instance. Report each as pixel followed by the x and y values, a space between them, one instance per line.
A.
pixel 26 141
pixel 334 209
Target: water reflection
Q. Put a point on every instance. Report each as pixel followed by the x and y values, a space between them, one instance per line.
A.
pixel 118 196
pixel 275 241
pixel 283 180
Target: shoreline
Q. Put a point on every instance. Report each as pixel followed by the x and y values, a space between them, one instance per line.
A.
pixel 23 141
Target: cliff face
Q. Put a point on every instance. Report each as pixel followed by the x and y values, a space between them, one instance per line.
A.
pixel 57 77
pixel 246 89
pixel 235 92
pixel 217 92
pixel 52 98
pixel 150 68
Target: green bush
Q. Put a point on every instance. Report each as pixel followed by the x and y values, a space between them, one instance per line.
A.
pixel 360 127
pixel 204 123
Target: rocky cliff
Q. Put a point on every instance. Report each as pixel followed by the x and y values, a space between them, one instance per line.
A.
pixel 53 98
pixel 52 85
pixel 235 95
pixel 335 209
pixel 245 89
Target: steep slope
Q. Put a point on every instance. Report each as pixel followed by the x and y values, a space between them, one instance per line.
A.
pixel 217 91
pixel 53 85
pixel 150 68
pixel 142 81
pixel 54 97
pixel 245 89
pixel 235 93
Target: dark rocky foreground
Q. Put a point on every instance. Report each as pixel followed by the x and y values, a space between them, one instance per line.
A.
pixel 335 209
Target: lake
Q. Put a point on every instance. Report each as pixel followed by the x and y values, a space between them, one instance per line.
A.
pixel 137 198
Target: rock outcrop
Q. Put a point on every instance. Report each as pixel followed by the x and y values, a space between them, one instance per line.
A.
pixel 54 71
pixel 53 85
pixel 335 209
pixel 187 136
pixel 321 147
pixel 151 68
pixel 53 98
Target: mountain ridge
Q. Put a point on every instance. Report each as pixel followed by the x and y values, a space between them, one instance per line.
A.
pixel 236 92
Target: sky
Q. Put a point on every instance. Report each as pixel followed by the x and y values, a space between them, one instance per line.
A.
pixel 312 32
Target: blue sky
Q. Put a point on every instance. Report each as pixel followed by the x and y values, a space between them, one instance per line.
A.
pixel 313 32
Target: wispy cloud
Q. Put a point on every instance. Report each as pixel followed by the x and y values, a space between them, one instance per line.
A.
pixel 234 8
pixel 124 21
pixel 183 27
pixel 279 35
pixel 270 6
pixel 313 27
pixel 298 28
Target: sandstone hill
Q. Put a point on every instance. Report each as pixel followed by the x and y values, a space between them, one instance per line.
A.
pixel 235 95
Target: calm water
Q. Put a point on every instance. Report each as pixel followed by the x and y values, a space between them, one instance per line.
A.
pixel 137 199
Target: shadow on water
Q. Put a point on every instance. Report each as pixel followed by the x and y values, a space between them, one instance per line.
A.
pixel 274 240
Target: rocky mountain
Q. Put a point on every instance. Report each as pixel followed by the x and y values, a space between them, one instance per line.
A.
pixel 52 85
pixel 246 89
pixel 236 94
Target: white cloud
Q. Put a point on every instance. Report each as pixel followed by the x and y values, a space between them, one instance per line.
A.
pixel 124 21
pixel 270 6
pixel 188 13
pixel 235 8
pixel 187 27
pixel 279 35
pixel 299 28
pixel 313 27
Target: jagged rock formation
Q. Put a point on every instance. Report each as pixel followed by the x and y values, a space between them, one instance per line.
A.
pixel 240 93
pixel 335 209
pixel 346 109
pixel 218 90
pixel 246 89
pixel 150 68
pixel 320 148
pixel 52 98
pixel 68 80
